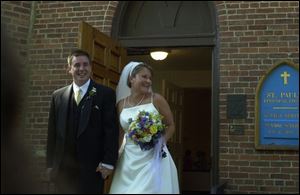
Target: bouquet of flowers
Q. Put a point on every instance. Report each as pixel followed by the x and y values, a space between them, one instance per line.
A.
pixel 146 130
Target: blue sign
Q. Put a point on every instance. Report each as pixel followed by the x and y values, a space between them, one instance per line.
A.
pixel 277 108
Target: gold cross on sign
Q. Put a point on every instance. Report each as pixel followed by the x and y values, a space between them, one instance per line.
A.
pixel 285 76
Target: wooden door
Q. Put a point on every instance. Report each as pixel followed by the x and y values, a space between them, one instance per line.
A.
pixel 108 59
pixel 174 96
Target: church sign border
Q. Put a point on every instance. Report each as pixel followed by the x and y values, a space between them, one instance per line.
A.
pixel 280 139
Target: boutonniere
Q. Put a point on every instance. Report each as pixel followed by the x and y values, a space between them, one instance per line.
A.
pixel 92 92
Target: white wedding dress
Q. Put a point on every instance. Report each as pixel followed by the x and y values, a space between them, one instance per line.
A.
pixel 134 173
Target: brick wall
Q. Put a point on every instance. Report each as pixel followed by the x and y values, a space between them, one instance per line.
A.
pixel 15 18
pixel 253 37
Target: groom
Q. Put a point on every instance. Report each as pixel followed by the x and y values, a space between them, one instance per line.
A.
pixel 82 146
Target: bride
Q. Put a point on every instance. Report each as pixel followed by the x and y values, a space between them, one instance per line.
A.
pixel 143 171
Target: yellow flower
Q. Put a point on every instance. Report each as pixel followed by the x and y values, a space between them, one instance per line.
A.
pixel 153 129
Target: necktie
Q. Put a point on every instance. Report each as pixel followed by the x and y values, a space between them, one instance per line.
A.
pixel 78 96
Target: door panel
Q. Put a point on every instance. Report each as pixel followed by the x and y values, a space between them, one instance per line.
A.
pixel 108 60
pixel 174 96
pixel 108 57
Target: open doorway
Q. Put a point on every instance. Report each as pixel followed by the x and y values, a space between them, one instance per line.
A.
pixel 189 68
pixel 196 140
pixel 189 30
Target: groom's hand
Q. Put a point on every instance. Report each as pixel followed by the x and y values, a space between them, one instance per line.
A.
pixel 105 172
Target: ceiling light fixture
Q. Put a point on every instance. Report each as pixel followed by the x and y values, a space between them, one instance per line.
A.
pixel 159 55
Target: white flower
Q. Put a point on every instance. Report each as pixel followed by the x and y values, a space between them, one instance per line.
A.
pixel 92 92
pixel 147 138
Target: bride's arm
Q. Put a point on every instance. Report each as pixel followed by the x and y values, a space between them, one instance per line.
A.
pixel 164 109
pixel 121 131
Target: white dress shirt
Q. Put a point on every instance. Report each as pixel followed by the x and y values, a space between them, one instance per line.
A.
pixel 83 88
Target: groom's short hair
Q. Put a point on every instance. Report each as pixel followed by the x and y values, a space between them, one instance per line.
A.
pixel 77 52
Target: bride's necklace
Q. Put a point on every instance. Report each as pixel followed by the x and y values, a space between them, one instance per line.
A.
pixel 137 103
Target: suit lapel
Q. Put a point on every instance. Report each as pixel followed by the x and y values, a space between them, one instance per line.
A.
pixel 64 110
pixel 85 111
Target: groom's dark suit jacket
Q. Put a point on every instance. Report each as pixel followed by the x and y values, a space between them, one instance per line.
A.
pixel 94 129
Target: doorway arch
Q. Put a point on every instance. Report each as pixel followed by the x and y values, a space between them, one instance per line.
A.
pixel 174 24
